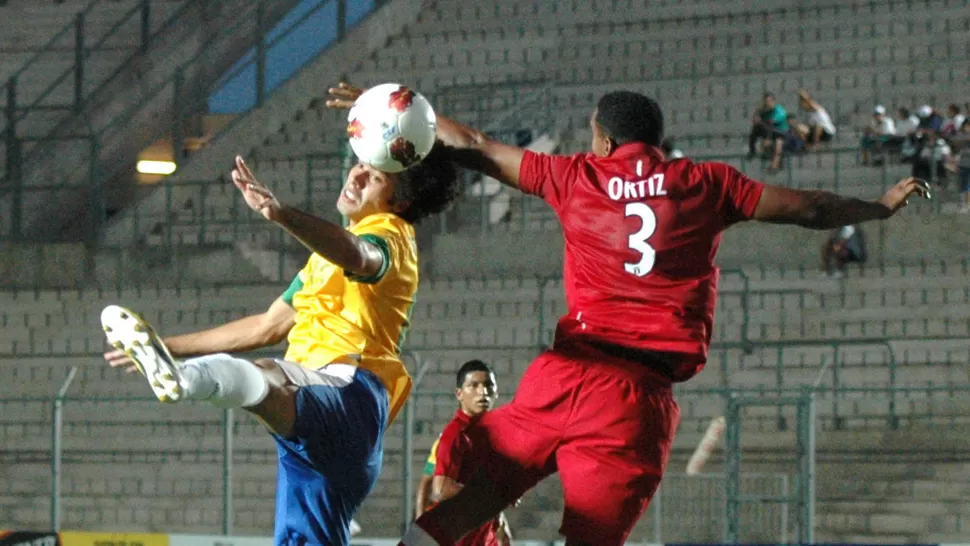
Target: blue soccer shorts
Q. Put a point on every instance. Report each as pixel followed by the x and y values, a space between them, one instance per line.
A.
pixel 332 462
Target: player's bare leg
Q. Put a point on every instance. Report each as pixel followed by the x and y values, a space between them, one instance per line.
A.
pixel 478 502
pixel 259 387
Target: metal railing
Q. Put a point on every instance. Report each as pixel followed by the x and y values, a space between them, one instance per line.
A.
pixel 88 441
pixel 174 89
pixel 194 213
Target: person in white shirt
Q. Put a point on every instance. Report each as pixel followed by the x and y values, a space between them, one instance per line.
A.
pixel 961 143
pixel 907 124
pixel 819 123
pixel 932 160
pixel 844 245
pixel 876 134
pixel 954 120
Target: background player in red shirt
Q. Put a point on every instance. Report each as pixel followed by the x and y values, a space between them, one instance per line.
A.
pixel 476 391
pixel 641 234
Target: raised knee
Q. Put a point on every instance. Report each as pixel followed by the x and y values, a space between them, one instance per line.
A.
pixel 267 364
pixel 274 374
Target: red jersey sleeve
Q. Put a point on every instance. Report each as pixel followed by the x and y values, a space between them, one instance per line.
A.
pixel 548 176
pixel 450 453
pixel 738 195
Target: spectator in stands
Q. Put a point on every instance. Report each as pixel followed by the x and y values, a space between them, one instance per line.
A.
pixel 934 154
pixel 844 246
pixel 904 141
pixel 770 123
pixel 819 124
pixel 929 120
pixel 906 122
pixel 795 137
pixel 876 135
pixel 961 144
pixel 953 121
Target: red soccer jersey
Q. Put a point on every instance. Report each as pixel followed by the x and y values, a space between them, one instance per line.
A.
pixel 455 456
pixel 641 234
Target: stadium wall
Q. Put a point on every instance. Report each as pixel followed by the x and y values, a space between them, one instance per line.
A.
pixel 909 237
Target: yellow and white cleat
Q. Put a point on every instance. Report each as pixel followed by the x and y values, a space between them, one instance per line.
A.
pixel 130 334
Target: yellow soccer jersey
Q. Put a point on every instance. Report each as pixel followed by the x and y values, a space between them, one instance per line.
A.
pixel 342 317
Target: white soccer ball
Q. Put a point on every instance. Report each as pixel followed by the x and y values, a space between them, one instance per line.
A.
pixel 391 127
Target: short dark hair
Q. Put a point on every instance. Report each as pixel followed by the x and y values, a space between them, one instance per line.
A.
pixel 904 111
pixel 470 367
pixel 626 117
pixel 429 186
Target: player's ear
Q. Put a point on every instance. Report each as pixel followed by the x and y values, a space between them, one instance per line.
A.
pixel 610 146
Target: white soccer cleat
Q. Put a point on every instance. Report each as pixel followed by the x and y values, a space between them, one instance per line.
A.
pixel 130 334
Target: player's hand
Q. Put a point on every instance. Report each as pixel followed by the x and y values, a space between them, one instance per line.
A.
pixel 257 195
pixel 898 196
pixel 118 359
pixel 343 96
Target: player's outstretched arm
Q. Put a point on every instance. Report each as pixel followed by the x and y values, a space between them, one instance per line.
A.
pixel 825 210
pixel 239 336
pixel 339 246
pixel 473 149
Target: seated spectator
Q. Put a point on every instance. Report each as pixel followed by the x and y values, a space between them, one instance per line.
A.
pixel 931 161
pixel 844 246
pixel 904 141
pixel 876 135
pixel 906 122
pixel 795 137
pixel 953 121
pixel 929 120
pixel 961 144
pixel 770 123
pixel 820 126
pixel 670 149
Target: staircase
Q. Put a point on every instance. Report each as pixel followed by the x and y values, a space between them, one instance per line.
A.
pixel 135 107
pixel 200 172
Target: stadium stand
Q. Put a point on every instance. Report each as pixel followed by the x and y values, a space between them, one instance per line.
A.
pixel 45 332
pixel 890 465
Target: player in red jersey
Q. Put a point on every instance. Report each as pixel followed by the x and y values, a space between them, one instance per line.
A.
pixel 641 234
pixel 455 457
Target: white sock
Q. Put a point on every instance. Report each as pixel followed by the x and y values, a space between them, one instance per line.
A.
pixel 223 380
pixel 417 536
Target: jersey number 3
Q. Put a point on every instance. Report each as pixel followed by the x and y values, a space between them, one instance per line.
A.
pixel 638 241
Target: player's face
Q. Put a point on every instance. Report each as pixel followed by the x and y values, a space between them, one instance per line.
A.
pixel 478 393
pixel 367 191
pixel 769 102
pixel 601 145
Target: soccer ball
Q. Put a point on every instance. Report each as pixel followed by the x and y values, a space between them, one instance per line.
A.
pixel 391 127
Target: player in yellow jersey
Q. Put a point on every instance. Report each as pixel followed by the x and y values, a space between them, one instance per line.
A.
pixel 342 381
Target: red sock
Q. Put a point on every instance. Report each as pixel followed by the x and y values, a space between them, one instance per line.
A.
pixel 426 532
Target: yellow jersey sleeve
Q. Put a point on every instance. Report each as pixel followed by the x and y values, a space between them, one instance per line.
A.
pixel 432 458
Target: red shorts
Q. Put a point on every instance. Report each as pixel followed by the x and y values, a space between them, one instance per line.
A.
pixel 486 535
pixel 606 424
pixel 483 536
